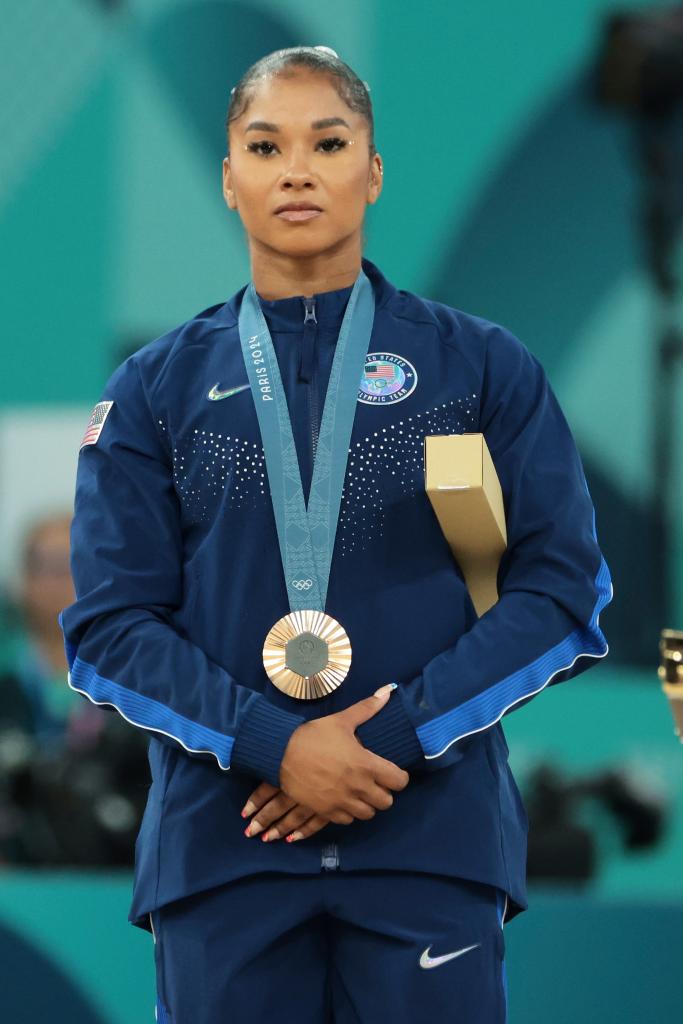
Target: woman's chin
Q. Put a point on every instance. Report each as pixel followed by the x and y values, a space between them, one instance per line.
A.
pixel 305 248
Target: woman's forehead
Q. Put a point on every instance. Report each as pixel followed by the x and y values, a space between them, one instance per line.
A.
pixel 287 100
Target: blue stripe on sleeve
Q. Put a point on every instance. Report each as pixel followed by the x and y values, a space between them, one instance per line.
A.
pixel 488 707
pixel 150 714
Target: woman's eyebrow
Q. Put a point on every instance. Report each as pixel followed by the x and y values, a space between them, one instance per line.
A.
pixel 325 122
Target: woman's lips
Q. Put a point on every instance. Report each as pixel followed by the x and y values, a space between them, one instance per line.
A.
pixel 298 214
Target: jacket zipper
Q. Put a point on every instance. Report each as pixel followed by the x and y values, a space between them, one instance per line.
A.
pixel 330 858
pixel 330 852
pixel 310 317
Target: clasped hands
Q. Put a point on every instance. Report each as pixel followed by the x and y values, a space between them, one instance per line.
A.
pixel 326 774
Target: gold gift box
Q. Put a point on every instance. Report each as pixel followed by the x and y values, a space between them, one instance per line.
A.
pixel 463 487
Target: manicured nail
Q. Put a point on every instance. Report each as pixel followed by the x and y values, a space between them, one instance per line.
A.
pixel 248 809
pixel 293 836
pixel 270 834
pixel 253 828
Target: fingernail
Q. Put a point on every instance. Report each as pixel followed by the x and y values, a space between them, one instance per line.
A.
pixel 293 836
pixel 248 809
pixel 253 828
pixel 270 834
pixel 383 689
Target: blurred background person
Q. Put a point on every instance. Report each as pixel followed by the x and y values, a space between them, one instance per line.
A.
pixel 72 781
pixel 33 696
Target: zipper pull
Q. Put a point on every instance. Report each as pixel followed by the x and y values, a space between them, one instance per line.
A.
pixel 309 305
pixel 330 857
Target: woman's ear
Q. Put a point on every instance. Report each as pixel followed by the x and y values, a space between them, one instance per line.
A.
pixel 375 179
pixel 228 193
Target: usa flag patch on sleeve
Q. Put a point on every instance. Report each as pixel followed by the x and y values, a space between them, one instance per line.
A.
pixel 95 423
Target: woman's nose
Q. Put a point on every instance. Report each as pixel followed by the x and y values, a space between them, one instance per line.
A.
pixel 298 169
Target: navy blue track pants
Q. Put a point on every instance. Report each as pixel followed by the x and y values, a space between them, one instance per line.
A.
pixel 335 947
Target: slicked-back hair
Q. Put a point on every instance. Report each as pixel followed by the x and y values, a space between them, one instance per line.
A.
pixel 284 63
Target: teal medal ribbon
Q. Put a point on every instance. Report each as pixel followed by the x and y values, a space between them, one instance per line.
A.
pixel 305 653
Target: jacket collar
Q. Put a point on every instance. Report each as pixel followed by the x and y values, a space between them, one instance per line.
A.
pixel 287 314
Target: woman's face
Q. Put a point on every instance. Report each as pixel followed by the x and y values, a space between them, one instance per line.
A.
pixel 46 585
pixel 278 156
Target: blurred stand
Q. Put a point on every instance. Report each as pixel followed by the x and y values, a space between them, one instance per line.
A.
pixel 573 822
pixel 74 777
pixel 670 672
pixel 640 71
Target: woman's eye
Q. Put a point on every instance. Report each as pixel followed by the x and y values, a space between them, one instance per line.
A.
pixel 336 144
pixel 255 147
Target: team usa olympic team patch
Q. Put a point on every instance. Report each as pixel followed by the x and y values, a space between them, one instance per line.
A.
pixel 386 378
pixel 95 423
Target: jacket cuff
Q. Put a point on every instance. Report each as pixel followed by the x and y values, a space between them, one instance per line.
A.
pixel 261 740
pixel 392 735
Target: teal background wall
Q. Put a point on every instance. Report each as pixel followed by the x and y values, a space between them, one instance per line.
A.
pixel 506 193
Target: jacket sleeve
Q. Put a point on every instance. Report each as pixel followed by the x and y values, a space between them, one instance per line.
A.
pixel 553 581
pixel 126 561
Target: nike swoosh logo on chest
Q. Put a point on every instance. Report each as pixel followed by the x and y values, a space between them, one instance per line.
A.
pixel 215 395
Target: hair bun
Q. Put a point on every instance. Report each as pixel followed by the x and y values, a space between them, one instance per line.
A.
pixel 327 49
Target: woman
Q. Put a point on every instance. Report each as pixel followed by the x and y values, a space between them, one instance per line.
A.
pixel 211 613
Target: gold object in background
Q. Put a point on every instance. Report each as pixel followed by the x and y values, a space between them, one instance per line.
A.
pixel 307 654
pixel 462 484
pixel 670 671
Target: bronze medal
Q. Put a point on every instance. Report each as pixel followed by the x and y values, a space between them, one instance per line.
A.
pixel 307 654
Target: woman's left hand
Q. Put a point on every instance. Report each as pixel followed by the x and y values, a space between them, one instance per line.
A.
pixel 279 815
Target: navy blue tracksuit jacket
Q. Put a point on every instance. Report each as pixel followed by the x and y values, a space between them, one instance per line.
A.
pixel 178 578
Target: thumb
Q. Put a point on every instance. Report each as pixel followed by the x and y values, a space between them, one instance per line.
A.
pixel 384 691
